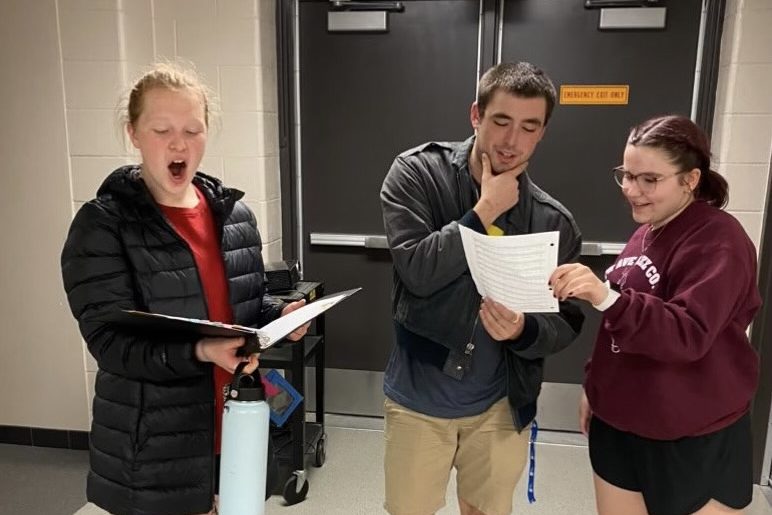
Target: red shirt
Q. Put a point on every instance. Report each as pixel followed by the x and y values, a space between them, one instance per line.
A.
pixel 196 226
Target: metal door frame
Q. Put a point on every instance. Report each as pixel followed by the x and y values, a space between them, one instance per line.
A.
pixel 287 62
pixel 711 28
pixel 761 338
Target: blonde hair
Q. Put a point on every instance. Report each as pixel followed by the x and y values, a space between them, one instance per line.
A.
pixel 175 75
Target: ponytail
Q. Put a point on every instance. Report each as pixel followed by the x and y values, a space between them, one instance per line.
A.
pixel 712 188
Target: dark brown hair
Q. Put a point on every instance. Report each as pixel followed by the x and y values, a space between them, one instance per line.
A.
pixel 520 79
pixel 687 147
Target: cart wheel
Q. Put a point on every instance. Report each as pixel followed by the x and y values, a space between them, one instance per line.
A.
pixel 321 451
pixel 291 493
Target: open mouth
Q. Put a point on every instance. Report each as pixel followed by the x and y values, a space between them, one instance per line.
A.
pixel 178 168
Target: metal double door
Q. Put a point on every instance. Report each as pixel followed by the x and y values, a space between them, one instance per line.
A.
pixel 366 97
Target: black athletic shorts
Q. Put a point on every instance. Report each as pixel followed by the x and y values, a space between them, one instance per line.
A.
pixel 677 477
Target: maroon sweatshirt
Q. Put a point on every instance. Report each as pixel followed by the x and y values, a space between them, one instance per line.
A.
pixel 672 358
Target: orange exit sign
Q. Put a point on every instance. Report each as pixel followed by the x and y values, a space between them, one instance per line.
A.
pixel 594 94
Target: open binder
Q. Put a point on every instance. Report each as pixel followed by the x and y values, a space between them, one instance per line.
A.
pixel 257 340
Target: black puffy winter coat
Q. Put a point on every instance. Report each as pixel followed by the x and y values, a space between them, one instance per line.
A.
pixel 153 414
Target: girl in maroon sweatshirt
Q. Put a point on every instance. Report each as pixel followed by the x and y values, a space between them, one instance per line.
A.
pixel 672 374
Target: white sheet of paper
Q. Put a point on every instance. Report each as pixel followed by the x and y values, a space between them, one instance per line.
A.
pixel 283 326
pixel 514 270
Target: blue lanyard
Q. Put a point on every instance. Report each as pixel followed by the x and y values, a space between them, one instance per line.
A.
pixel 532 462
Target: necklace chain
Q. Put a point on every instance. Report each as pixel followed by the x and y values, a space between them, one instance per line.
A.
pixel 644 247
pixel 623 280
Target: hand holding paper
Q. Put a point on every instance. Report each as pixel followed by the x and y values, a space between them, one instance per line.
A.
pixel 513 270
pixel 501 323
pixel 301 331
pixel 223 352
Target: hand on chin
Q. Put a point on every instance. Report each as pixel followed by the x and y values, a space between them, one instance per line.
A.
pixel 513 166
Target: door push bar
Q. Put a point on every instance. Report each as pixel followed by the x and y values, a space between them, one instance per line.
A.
pixel 350 5
pixel 378 241
pixel 599 4
pixel 368 241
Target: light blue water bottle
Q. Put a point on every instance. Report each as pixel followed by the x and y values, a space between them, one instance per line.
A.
pixel 244 450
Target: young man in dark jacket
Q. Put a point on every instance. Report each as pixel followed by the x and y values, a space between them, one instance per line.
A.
pixel 462 381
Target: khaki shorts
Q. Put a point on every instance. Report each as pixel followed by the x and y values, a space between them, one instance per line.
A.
pixel 488 453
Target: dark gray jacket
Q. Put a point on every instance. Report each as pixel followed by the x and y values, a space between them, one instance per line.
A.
pixel 152 434
pixel 427 191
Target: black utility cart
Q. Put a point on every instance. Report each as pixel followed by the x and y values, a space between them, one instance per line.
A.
pixel 298 438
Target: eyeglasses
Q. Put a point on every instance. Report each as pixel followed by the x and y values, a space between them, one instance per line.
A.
pixel 646 182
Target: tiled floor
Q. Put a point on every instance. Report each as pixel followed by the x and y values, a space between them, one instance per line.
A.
pixel 38 481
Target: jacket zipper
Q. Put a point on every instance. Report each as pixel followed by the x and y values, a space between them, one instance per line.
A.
pixel 470 344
